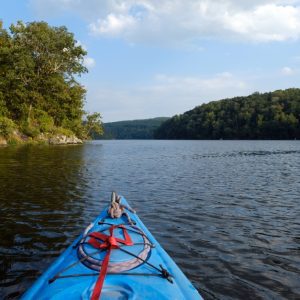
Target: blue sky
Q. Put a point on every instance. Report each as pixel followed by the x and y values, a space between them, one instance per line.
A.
pixel 151 58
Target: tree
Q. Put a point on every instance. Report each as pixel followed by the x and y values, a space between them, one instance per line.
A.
pixel 39 65
pixel 270 115
pixel 45 60
pixel 93 124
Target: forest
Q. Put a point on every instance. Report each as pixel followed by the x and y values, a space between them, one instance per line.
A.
pixel 39 91
pixel 134 129
pixel 272 115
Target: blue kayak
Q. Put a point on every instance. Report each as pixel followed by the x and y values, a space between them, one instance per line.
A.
pixel 114 258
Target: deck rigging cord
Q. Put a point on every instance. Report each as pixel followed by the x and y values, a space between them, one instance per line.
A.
pixel 108 242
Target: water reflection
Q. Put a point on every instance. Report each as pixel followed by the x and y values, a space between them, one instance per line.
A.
pixel 41 200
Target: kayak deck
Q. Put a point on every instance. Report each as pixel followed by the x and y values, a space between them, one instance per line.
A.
pixel 142 270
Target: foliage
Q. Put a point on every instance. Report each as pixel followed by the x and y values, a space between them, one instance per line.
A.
pixel 29 129
pixel 43 121
pixel 135 129
pixel 76 126
pixel 3 109
pixel 63 131
pixel 93 124
pixel 39 65
pixel 7 126
pixel 273 115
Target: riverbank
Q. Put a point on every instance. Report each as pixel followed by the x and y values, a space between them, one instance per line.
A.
pixel 43 138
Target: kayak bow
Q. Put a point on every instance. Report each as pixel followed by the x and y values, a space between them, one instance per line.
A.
pixel 113 259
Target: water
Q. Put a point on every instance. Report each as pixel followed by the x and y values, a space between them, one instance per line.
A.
pixel 228 212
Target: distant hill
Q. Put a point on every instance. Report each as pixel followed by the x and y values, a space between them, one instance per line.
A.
pixel 273 115
pixel 134 129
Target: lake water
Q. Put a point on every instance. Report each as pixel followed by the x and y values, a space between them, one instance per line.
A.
pixel 228 212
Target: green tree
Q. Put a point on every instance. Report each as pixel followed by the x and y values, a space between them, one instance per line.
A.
pixel 93 124
pixel 273 115
pixel 39 67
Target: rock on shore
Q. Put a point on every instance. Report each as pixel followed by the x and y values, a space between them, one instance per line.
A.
pixel 59 139
pixel 63 140
pixel 3 141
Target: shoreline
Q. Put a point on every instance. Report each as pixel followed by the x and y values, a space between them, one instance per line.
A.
pixel 46 139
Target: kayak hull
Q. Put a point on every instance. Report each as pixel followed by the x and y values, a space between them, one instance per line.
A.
pixel 70 278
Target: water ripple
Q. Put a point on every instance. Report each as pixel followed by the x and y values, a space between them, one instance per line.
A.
pixel 227 211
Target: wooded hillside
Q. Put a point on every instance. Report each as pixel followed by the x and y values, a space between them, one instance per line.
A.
pixel 135 129
pixel 273 115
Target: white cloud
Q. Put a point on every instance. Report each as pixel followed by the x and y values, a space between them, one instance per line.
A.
pixel 287 71
pixel 112 25
pixel 183 21
pixel 268 22
pixel 89 62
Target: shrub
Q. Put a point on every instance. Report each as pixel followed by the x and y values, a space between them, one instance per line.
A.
pixel 63 131
pixel 43 121
pixel 29 127
pixel 3 108
pixel 7 126
pixel 30 130
pixel 75 126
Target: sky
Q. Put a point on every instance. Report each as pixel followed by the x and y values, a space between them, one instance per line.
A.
pixel 153 58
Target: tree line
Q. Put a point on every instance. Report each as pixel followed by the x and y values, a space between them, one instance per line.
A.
pixel 273 115
pixel 39 91
pixel 133 129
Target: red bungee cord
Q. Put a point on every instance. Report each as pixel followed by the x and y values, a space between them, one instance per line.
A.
pixel 109 243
